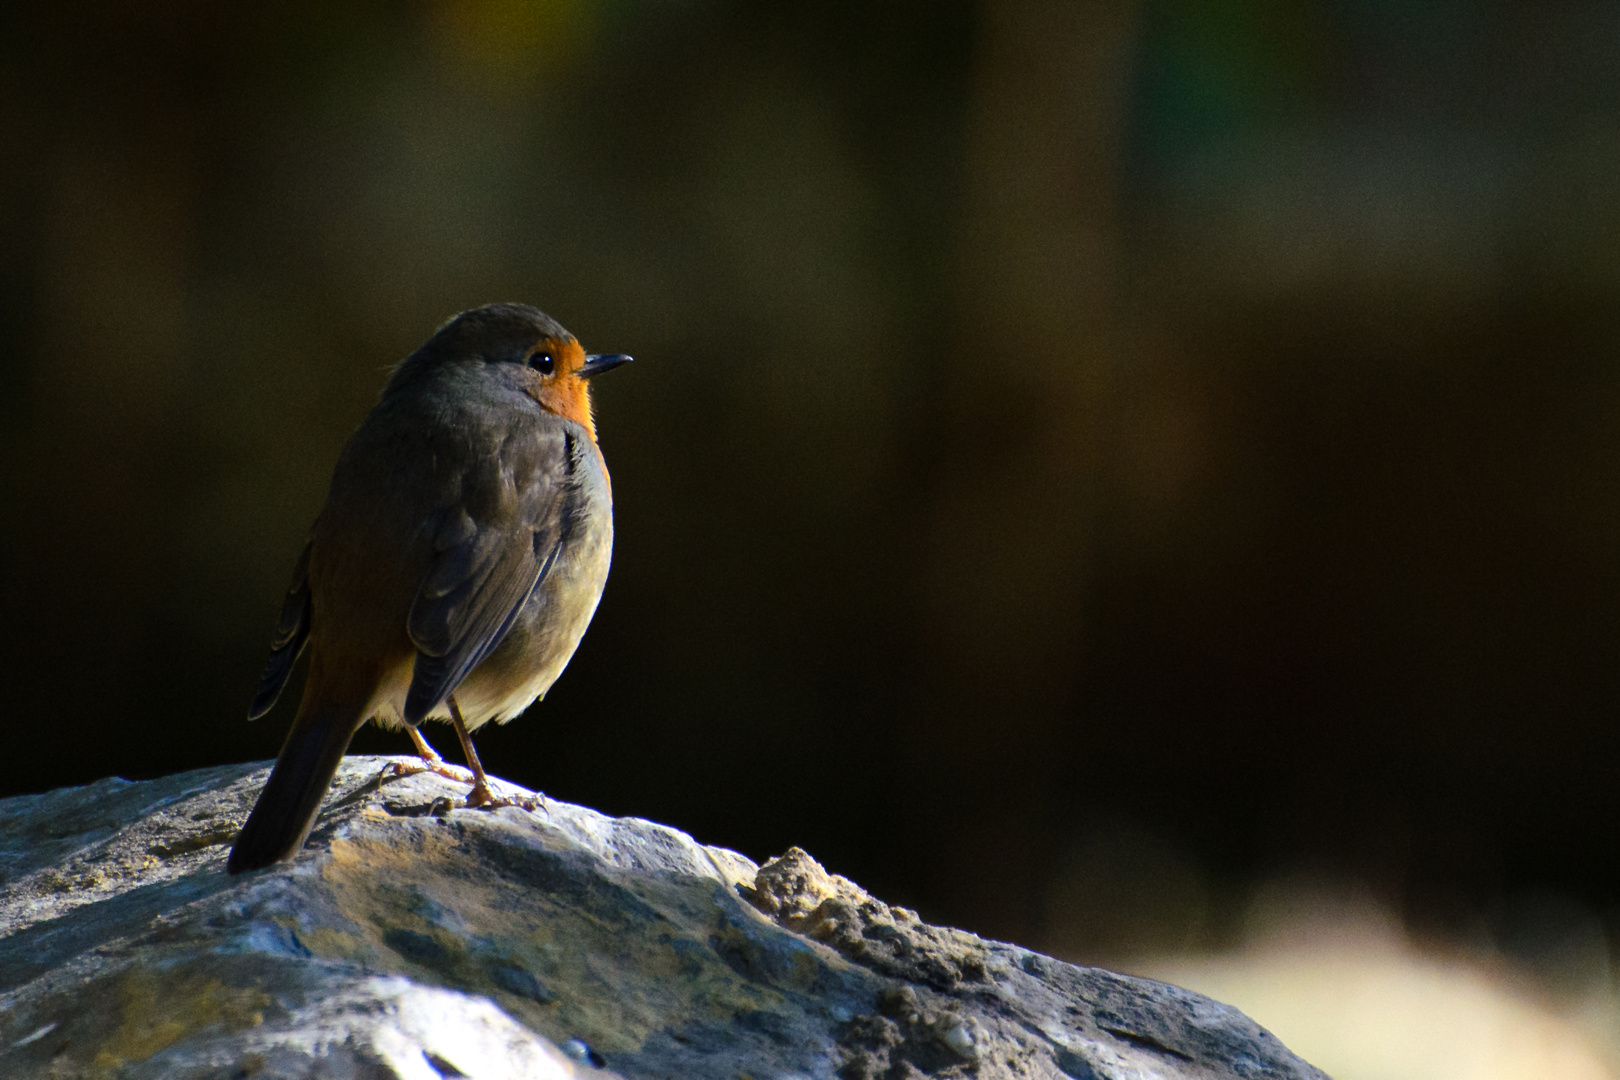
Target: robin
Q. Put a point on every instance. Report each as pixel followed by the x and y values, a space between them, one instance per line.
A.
pixel 457 562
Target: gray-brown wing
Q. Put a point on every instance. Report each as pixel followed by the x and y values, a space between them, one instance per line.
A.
pixel 291 633
pixel 490 551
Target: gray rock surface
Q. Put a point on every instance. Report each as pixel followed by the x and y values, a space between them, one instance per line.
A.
pixel 416 941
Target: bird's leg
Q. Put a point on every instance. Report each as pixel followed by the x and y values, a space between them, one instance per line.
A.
pixel 431 761
pixel 480 795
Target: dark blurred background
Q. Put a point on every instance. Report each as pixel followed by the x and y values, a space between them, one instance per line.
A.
pixel 1083 458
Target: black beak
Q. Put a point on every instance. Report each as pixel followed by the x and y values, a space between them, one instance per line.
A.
pixel 597 363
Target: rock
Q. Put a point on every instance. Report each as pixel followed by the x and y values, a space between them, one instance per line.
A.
pixel 414 941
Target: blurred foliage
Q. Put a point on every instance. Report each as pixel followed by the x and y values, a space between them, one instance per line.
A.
pixel 1084 456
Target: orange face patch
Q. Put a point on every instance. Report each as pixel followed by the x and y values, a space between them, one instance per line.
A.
pixel 563 392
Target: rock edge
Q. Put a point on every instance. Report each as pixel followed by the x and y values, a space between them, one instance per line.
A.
pixel 412 940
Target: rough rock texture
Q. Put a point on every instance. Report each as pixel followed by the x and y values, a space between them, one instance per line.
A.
pixel 414 940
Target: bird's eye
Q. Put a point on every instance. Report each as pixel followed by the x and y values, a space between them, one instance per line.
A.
pixel 543 363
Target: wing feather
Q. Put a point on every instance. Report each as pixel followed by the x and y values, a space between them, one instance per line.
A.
pixel 492 550
pixel 292 630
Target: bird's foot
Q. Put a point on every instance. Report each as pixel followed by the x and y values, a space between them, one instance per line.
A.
pixel 438 767
pixel 430 762
pixel 482 798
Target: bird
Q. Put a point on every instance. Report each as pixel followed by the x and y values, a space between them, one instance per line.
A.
pixel 458 559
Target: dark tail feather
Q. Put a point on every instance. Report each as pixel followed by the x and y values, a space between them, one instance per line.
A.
pixel 286 809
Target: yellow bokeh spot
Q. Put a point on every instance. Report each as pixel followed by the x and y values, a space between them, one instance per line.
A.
pixel 510 43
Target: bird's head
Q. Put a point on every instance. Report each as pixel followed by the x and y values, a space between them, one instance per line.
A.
pixel 545 360
pixel 564 371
